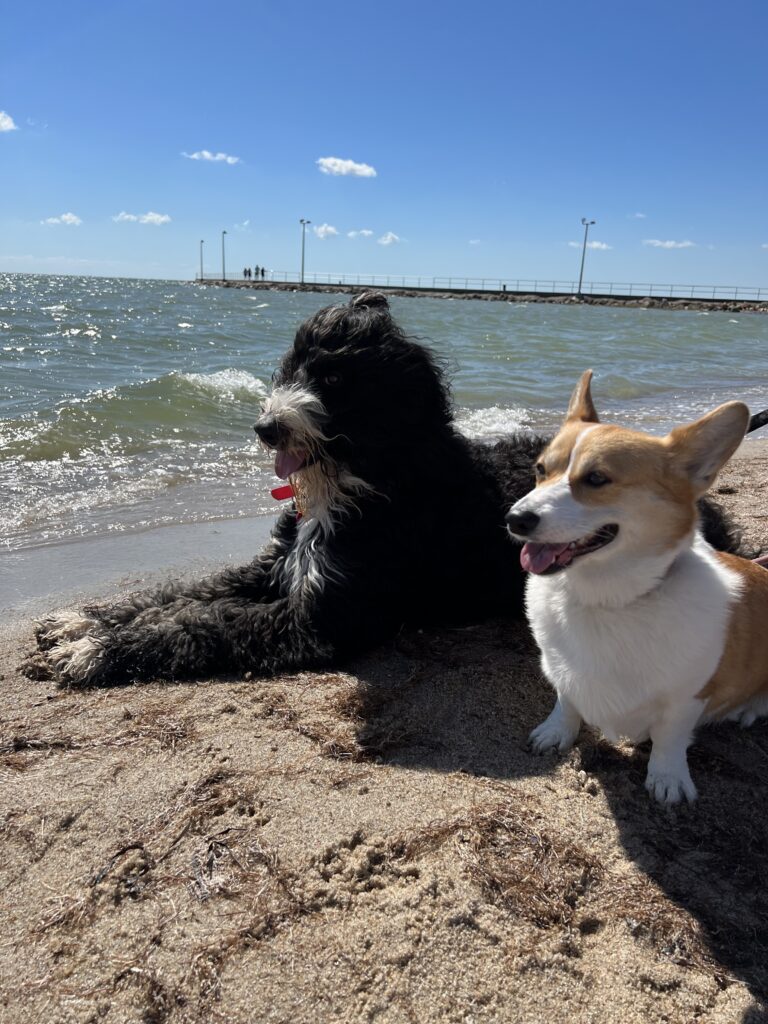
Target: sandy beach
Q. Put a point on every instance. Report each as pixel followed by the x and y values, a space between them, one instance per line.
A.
pixel 373 844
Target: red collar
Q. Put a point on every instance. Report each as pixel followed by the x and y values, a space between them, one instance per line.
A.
pixel 283 492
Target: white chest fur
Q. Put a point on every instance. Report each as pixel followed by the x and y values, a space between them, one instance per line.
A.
pixel 621 666
pixel 307 564
pixel 304 563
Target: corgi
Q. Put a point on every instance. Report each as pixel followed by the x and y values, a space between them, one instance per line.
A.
pixel 645 630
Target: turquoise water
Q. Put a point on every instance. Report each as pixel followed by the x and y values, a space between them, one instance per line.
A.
pixel 128 404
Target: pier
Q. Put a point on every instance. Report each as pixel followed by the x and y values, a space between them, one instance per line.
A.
pixel 707 298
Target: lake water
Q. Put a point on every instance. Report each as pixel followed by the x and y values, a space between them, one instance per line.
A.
pixel 127 405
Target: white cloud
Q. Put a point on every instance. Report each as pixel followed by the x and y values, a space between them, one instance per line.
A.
pixel 154 218
pixel 764 245
pixel 335 165
pixel 71 219
pixel 388 239
pixel 602 246
pixel 244 226
pixel 636 216
pixel 657 243
pixel 7 124
pixel 474 241
pixel 362 233
pixel 216 158
pixel 142 218
pixel 325 230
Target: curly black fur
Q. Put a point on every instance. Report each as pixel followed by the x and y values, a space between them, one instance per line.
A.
pixel 405 524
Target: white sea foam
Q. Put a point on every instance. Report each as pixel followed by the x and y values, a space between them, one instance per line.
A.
pixel 492 422
pixel 230 384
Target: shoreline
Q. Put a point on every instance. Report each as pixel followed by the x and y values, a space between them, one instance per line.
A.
pixel 552 298
pixel 39 578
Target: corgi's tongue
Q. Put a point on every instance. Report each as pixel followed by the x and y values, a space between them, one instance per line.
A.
pixel 288 463
pixel 537 558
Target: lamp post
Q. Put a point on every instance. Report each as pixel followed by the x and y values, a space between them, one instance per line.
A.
pixel 223 261
pixel 303 223
pixel 586 224
pixel 202 243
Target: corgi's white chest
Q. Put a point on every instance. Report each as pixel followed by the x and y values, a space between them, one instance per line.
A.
pixel 620 666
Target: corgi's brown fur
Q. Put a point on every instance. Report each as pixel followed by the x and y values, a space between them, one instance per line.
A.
pixel 742 675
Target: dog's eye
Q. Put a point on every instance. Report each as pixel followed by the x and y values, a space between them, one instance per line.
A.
pixel 540 469
pixel 332 379
pixel 596 479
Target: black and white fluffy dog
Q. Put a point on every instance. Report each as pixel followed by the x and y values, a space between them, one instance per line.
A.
pixel 398 519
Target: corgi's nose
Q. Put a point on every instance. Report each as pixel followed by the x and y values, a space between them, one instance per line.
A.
pixel 521 523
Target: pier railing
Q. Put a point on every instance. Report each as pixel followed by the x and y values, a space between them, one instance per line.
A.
pixel 536 286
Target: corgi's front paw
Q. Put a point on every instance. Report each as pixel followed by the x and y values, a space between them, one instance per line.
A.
pixel 670 787
pixel 554 733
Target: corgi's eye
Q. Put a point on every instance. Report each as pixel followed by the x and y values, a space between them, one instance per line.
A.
pixel 596 479
pixel 540 470
pixel 332 379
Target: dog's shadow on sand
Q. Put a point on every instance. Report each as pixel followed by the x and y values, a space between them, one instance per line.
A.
pixel 465 701
pixel 711 859
pixel 454 700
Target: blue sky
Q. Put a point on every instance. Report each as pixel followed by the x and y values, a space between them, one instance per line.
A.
pixel 492 128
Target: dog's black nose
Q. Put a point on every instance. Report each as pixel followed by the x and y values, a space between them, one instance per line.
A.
pixel 267 429
pixel 521 523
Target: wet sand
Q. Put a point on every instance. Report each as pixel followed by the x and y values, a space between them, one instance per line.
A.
pixel 36 580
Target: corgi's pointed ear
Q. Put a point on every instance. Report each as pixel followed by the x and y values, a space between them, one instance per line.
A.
pixel 581 406
pixel 702 448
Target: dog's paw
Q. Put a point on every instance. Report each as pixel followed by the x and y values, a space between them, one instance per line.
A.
pixel 670 787
pixel 60 628
pixel 746 717
pixel 37 667
pixel 77 662
pixel 553 734
pixel 748 714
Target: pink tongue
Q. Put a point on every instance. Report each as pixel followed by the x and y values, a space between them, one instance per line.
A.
pixel 288 463
pixel 537 558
